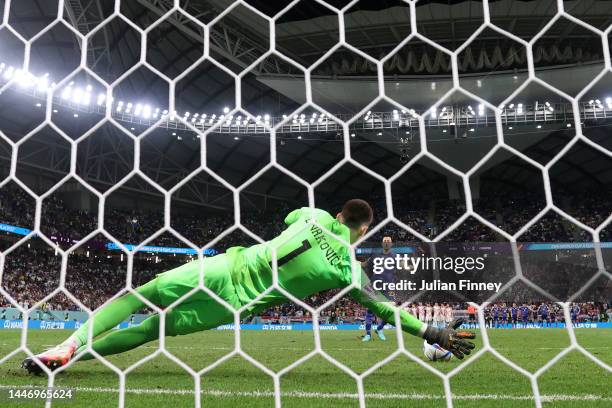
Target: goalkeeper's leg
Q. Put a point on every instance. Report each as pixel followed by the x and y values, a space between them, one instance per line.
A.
pixel 197 313
pixel 116 312
pixel 104 320
pixel 124 340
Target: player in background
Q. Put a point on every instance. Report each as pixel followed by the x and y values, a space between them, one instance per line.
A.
pixel 487 317
pixel 437 315
pixel 471 310
pixel 449 313
pixel 495 315
pixel 524 311
pixel 543 314
pixel 370 318
pixel 503 314
pixel 421 311
pixel 413 309
pixel 428 314
pixel 554 315
pixel 308 259
pixel 387 275
pixel 514 315
pixel 574 313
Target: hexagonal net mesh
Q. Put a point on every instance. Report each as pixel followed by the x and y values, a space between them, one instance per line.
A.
pixel 204 127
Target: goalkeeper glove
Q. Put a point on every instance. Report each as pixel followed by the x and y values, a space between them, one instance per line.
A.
pixel 451 339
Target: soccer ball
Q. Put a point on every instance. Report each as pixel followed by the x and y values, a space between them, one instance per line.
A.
pixel 436 353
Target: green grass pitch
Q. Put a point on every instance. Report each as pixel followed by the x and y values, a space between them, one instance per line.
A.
pixel 574 381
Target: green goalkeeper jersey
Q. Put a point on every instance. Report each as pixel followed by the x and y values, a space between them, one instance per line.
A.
pixel 309 260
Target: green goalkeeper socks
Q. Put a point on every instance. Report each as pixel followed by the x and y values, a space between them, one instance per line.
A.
pixel 123 340
pixel 116 312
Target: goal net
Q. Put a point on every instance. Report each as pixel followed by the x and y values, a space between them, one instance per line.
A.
pixel 423 107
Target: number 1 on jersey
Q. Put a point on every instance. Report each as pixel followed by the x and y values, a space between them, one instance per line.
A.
pixel 296 252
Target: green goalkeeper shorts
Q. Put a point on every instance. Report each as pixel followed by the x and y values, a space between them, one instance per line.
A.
pixel 199 311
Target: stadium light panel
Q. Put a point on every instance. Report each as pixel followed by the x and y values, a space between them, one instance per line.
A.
pixel 225 110
pixel 9 72
pixel 77 95
pixel 146 111
pixel 66 92
pixel 43 83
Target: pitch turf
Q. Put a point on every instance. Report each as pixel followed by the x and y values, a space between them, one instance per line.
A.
pixel 574 381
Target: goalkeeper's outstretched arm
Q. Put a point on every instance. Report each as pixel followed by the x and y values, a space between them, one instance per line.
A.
pixel 457 342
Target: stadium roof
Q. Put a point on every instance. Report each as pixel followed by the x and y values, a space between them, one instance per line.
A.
pixel 304 34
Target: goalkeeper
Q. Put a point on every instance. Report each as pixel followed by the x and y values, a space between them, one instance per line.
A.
pixel 309 260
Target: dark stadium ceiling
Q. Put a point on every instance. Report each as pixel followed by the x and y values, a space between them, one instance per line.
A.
pixel 304 34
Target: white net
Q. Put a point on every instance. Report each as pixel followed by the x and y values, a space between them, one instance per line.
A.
pixel 239 120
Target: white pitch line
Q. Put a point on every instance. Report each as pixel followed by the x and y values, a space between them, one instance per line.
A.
pixel 323 395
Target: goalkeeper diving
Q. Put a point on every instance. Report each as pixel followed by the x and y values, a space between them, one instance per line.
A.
pixel 309 260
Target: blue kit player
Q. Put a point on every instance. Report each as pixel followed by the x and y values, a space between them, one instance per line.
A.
pixel 524 314
pixel 543 312
pixel 514 314
pixel 370 318
pixel 387 275
pixel 503 312
pixel 574 312
pixel 495 314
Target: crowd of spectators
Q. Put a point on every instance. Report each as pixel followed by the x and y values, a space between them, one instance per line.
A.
pixel 508 212
pixel 32 273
